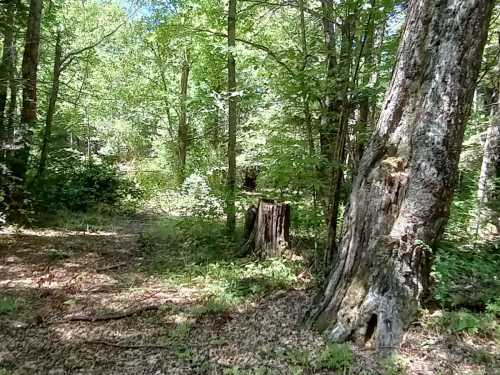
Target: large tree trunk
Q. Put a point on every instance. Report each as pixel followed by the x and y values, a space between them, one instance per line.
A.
pixel 487 220
pixel 19 162
pixel 402 193
pixel 232 120
pixel 52 106
pixel 183 131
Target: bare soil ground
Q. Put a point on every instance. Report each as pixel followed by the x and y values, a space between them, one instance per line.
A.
pixel 84 305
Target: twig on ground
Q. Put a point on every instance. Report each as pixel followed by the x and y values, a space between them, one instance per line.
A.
pixel 125 346
pixel 111 267
pixel 112 316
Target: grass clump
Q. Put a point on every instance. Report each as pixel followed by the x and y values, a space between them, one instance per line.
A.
pixel 8 305
pixel 337 357
pixel 394 365
pixel 55 255
pixel 213 306
pixel 298 357
pixel 181 331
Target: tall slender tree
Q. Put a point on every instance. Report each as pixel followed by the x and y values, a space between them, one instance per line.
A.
pixel 183 131
pixel 61 63
pixel 337 108
pixel 54 92
pixel 401 196
pixel 232 118
pixel 6 66
pixel 488 190
pixel 19 162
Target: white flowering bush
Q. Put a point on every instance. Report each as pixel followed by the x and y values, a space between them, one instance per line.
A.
pixel 194 198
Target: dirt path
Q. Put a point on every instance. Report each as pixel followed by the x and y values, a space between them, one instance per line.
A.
pixel 80 303
pixel 72 288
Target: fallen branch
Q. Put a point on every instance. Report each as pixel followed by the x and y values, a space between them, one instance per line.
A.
pixel 112 316
pixel 112 267
pixel 125 346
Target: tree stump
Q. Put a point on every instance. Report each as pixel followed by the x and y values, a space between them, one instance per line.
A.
pixel 267 229
pixel 250 180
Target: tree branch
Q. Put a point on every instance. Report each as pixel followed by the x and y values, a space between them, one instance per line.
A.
pixel 252 44
pixel 68 59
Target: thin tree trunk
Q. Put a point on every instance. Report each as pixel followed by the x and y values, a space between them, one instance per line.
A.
pixel 183 131
pixel 6 68
pixel 232 120
pixel 330 110
pixel 365 101
pixel 340 129
pixel 330 105
pixel 304 88
pixel 54 92
pixel 12 108
pixel 19 164
pixel 487 220
pixel 401 196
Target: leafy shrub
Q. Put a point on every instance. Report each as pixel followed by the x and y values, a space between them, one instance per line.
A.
pixel 84 186
pixel 466 322
pixel 195 199
pixel 466 275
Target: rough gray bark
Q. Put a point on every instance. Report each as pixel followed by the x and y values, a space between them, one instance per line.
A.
pixel 401 196
pixel 54 92
pixel 183 131
pixel 487 220
pixel 232 119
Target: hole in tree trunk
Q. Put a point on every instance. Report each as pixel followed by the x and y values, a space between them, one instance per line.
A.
pixel 370 328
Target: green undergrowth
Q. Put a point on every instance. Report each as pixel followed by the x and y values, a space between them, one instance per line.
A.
pixel 101 218
pixel 467 323
pixel 8 305
pixel 17 306
pixel 467 275
pixel 196 253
